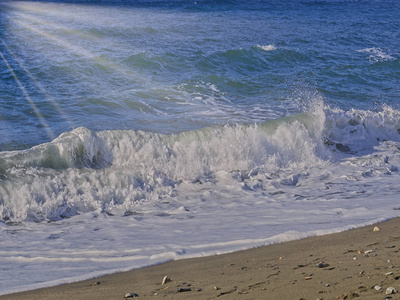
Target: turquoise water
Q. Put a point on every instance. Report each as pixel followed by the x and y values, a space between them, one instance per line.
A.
pixel 136 132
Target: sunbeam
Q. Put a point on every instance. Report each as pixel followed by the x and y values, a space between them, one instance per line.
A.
pixel 84 36
pixel 68 11
pixel 29 99
pixel 27 15
pixel 38 85
pixel 108 64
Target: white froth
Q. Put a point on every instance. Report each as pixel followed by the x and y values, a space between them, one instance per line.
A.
pixel 93 203
pixel 268 47
pixel 377 54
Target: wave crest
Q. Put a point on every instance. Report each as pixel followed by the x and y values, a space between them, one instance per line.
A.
pixel 82 170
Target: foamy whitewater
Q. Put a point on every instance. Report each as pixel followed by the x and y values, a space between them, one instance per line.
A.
pixel 137 132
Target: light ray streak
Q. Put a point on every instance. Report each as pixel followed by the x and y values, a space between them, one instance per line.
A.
pixel 79 51
pixel 91 56
pixel 38 85
pixel 49 24
pixel 29 99
pixel 71 31
pixel 69 12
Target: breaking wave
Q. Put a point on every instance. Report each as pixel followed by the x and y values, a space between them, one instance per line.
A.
pixel 83 170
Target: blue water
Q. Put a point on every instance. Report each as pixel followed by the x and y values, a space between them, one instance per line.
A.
pixel 173 66
pixel 136 132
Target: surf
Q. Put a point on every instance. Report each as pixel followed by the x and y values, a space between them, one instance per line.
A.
pixel 83 170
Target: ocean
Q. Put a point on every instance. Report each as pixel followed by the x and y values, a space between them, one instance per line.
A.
pixel 137 132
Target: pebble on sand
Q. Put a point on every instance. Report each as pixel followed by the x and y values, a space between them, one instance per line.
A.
pixel 131 295
pixel 391 290
pixel 181 289
pixel 388 273
pixel 321 264
pixel 165 280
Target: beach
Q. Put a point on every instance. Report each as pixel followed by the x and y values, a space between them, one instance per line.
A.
pixel 359 263
pixel 160 135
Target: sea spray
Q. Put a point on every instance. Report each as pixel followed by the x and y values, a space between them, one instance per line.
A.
pixel 363 129
pixel 83 170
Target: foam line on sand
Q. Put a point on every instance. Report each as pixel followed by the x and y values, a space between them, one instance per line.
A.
pixel 359 263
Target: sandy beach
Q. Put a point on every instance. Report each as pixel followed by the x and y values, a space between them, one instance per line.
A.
pixel 360 263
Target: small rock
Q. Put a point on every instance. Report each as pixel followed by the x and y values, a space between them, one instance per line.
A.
pixel 388 273
pixel 165 280
pixel 368 251
pixel 131 295
pixel 361 272
pixel 391 267
pixel 342 148
pixel 96 283
pixel 181 289
pixel 307 278
pixel 216 288
pixel 354 295
pixel 378 288
pixel 327 285
pixel 376 228
pixel 391 290
pixel 322 265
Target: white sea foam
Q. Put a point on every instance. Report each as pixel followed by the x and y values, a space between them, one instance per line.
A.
pixel 377 54
pixel 267 47
pixel 100 195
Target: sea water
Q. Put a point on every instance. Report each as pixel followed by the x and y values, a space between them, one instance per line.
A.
pixel 137 132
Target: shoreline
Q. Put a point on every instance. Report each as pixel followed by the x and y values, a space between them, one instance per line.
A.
pixel 354 263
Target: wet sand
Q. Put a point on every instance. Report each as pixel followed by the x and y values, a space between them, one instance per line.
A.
pixel 359 263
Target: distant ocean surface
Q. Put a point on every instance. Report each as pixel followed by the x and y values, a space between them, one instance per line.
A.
pixel 136 132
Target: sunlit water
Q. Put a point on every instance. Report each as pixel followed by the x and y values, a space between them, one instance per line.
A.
pixel 136 132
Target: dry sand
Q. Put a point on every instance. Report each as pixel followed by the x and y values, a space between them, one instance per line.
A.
pixel 354 262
